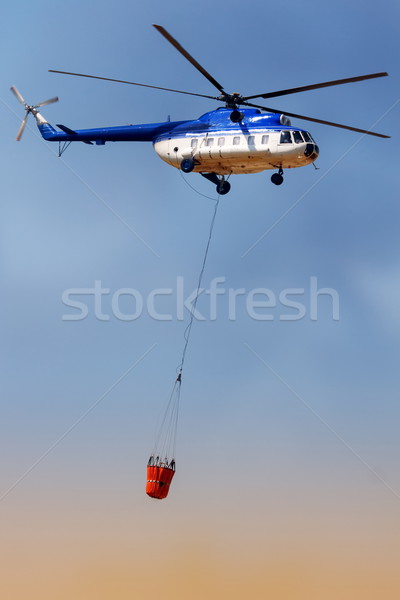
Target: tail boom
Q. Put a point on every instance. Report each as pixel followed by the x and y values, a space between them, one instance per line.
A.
pixel 127 133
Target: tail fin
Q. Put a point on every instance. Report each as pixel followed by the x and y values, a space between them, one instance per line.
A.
pixel 47 131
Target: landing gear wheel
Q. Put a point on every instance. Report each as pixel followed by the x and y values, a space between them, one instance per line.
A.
pixel 187 165
pixel 277 178
pixel 223 187
pixel 220 182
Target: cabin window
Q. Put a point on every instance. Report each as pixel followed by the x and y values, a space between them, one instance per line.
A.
pixel 193 143
pixel 285 137
pixel 209 141
pixel 250 140
pixel 236 140
pixel 265 139
pixel 306 136
pixel 221 141
pixel 298 139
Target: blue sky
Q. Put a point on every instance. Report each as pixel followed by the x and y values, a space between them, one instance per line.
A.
pixel 66 223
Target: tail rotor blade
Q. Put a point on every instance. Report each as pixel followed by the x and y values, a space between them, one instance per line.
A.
pixel 17 94
pixel 22 127
pixel 45 102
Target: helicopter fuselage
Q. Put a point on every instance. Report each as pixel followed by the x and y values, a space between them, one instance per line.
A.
pixel 214 143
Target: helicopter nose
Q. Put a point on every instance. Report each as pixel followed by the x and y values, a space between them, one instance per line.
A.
pixel 311 151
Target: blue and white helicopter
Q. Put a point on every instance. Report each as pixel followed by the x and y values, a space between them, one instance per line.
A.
pixel 240 137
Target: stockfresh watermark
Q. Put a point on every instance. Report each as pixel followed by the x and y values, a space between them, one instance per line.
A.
pixel 218 301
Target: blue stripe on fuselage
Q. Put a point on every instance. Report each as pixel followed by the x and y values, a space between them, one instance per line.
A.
pixel 214 121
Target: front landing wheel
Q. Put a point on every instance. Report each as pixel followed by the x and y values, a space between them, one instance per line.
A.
pixel 187 165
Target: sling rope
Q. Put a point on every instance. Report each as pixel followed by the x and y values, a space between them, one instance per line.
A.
pixel 165 443
pixel 188 329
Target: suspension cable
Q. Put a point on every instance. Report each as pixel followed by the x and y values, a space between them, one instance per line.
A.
pixel 188 329
pixel 165 443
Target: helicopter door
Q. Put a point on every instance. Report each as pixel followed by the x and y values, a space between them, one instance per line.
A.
pixel 207 147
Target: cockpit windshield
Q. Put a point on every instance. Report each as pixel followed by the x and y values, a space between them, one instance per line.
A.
pixel 298 138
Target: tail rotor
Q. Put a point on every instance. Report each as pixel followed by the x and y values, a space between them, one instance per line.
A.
pixel 29 109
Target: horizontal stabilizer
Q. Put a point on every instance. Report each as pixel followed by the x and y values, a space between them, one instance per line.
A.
pixel 67 129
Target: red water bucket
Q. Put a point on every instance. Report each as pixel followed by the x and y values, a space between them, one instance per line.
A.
pixel 158 481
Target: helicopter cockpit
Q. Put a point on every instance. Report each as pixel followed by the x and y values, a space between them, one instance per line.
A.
pixel 298 137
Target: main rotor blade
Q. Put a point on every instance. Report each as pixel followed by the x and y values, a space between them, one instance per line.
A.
pixel 273 110
pixel 190 58
pixel 154 87
pixel 22 127
pixel 315 86
pixel 45 102
pixel 17 94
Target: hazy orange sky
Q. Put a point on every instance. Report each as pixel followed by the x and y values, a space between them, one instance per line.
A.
pixel 332 536
pixel 287 484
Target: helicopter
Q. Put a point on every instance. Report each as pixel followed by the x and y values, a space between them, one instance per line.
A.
pixel 239 137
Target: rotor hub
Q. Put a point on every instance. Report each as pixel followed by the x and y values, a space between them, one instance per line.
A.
pixel 231 100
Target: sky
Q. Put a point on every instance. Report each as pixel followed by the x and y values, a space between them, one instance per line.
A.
pixel 287 481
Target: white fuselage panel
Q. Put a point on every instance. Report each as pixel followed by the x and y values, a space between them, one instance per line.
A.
pixel 224 153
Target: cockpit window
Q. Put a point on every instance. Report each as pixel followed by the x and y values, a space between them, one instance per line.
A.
pixel 285 137
pixel 307 136
pixel 298 139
